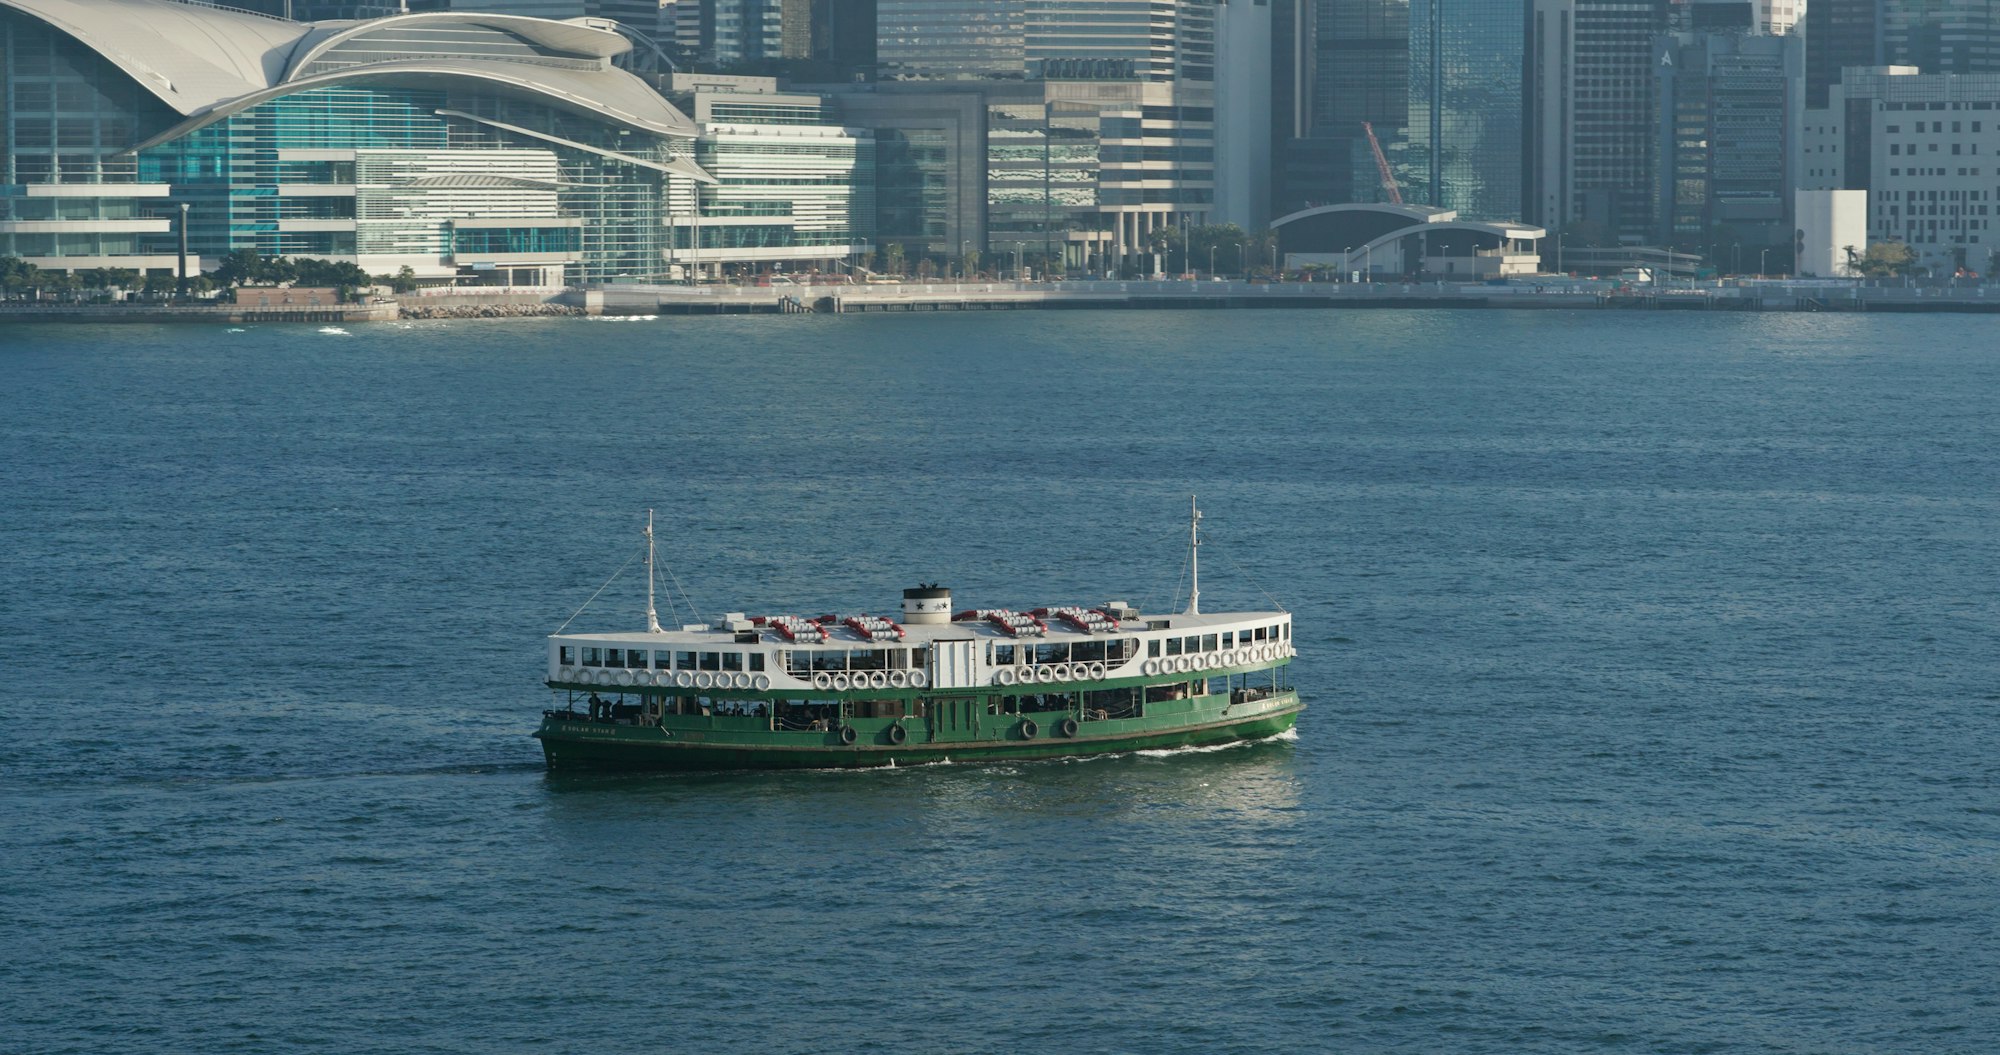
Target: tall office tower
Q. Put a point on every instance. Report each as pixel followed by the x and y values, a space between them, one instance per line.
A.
pixel 1336 64
pixel 1465 81
pixel 1731 102
pixel 1942 36
pixel 843 34
pixel 1840 33
pixel 951 39
pixel 1590 115
pixel 1242 113
pixel 319 10
pixel 1100 114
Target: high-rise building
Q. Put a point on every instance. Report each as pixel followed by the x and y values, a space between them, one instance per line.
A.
pixel 1337 64
pixel 1242 113
pixel 1926 149
pixel 1840 33
pixel 1465 82
pixel 1590 114
pixel 1100 113
pixel 1942 36
pixel 1731 102
pixel 511 151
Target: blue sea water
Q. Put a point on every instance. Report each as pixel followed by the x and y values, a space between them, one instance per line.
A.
pixel 1650 662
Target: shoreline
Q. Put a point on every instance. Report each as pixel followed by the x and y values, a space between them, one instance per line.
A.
pixel 1138 295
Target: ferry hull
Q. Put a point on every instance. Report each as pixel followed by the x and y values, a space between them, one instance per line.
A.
pixel 584 746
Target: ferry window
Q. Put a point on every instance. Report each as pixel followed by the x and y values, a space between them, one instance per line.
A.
pixel 593 657
pixel 732 661
pixel 1173 646
pixel 567 655
pixel 635 657
pixel 1287 628
pixel 1229 639
pixel 683 661
pixel 920 656
pixel 756 661
pixel 614 657
pixel 1058 653
pixel 1191 644
pixel 662 660
pixel 1003 654
pixel 1260 633
pixel 1087 650
pixel 1208 642
pixel 1153 648
pixel 711 661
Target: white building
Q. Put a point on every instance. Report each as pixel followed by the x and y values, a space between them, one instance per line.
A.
pixel 791 190
pixel 1243 114
pixel 1925 148
pixel 1832 231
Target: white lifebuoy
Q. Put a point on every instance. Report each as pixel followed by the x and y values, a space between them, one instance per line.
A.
pixel 1150 667
pixel 1270 652
pixel 704 680
pixel 683 679
pixel 1098 670
pixel 1059 671
pixel 760 682
pixel 1045 673
pixel 651 678
pixel 1005 675
pixel 1229 657
pixel 841 682
pixel 741 681
pixel 878 680
pixel 918 679
pixel 899 679
pixel 602 677
pixel 1185 665
pixel 822 680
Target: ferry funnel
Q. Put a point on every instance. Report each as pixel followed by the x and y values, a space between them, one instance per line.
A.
pixel 926 604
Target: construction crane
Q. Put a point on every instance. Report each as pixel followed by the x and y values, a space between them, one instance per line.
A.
pixel 1382 166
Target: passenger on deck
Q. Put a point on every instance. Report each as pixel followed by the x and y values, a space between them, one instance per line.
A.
pixel 596 707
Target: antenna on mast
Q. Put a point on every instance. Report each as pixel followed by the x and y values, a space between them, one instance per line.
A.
pixel 1194 558
pixel 652 615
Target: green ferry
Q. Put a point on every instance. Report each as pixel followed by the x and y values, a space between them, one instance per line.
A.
pixel 975 685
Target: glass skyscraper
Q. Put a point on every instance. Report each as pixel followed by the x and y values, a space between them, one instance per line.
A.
pixel 1465 85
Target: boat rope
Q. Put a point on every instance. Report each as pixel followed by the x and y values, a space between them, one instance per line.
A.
pixel 614 577
pixel 1145 602
pixel 1226 555
pixel 693 609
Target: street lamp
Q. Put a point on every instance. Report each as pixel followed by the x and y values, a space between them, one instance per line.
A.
pixel 1368 263
pixel 1240 265
pixel 1347 263
pixel 1211 259
pixel 1761 254
pixel 1737 269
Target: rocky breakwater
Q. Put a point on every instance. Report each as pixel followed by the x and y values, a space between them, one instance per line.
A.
pixel 408 310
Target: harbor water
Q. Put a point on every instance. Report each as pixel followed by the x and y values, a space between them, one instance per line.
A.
pixel 1650 664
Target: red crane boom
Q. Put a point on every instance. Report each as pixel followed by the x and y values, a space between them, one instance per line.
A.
pixel 1382 165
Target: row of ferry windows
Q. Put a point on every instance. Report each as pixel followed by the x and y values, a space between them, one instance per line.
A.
pixel 636 659
pixel 1193 643
pixel 1113 650
pixel 797 661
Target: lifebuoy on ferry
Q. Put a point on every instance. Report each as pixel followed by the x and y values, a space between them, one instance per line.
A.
pixel 1066 727
pixel 704 680
pixel 878 679
pixel 899 679
pixel 841 682
pixel 1150 667
pixel 760 682
pixel 918 679
pixel 847 734
pixel 897 734
pixel 822 680
pixel 1005 675
pixel 1045 673
pixel 1098 670
pixel 742 681
pixel 604 677
pixel 1029 729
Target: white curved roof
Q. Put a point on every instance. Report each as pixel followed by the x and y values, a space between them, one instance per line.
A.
pixel 191 57
pixel 1412 213
pixel 208 63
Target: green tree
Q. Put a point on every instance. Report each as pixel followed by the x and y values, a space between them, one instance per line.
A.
pixel 237 267
pixel 1885 260
pixel 893 262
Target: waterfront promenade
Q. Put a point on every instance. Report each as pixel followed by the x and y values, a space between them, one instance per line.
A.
pixel 784 297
